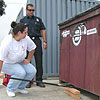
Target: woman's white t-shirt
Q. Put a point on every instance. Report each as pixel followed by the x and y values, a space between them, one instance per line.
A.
pixel 12 51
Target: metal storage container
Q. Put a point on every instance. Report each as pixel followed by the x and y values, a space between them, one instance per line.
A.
pixel 80 50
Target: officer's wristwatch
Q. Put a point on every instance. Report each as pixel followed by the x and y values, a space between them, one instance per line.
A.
pixel 45 41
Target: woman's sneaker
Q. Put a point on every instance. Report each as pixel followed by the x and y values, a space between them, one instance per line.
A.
pixel 10 94
pixel 22 91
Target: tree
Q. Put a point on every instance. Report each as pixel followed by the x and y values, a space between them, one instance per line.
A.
pixel 2 7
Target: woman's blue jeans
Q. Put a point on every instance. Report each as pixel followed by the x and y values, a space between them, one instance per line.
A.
pixel 18 70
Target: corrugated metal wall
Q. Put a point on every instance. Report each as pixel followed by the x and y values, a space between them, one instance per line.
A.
pixel 53 12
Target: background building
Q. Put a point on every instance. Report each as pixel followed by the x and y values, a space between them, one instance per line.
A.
pixel 20 15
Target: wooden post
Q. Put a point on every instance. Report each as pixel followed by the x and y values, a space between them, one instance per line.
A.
pixel 73 93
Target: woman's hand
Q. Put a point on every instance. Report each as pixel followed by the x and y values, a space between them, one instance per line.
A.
pixel 2 75
pixel 26 61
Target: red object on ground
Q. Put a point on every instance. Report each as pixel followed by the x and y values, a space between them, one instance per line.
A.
pixel 32 82
pixel 6 80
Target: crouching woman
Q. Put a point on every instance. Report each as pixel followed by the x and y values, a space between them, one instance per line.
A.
pixel 13 51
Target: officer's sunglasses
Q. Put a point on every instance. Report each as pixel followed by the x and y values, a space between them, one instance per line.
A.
pixel 30 9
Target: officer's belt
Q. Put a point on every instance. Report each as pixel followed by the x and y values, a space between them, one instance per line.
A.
pixel 35 38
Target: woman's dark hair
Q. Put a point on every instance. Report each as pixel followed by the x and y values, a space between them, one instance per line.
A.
pixel 17 27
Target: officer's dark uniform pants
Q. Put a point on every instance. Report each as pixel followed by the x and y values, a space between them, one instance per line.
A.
pixel 38 59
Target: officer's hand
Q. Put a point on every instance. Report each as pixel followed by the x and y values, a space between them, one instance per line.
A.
pixel 44 45
pixel 2 75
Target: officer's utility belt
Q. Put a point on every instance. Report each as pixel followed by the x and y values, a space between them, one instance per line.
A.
pixel 35 38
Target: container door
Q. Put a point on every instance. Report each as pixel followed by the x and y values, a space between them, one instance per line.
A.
pixel 92 75
pixel 64 56
pixel 77 54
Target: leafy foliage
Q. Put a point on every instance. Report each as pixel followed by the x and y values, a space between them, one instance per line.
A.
pixel 2 7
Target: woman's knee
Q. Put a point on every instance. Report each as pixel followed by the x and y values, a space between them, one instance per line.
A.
pixel 20 73
pixel 32 69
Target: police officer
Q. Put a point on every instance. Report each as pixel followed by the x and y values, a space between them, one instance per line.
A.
pixel 35 28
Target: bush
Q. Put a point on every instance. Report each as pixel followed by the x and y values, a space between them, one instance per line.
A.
pixel 2 7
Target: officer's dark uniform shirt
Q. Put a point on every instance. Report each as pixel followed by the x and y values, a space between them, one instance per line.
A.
pixel 35 25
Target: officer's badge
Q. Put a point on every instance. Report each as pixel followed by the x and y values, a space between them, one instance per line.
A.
pixel 37 20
